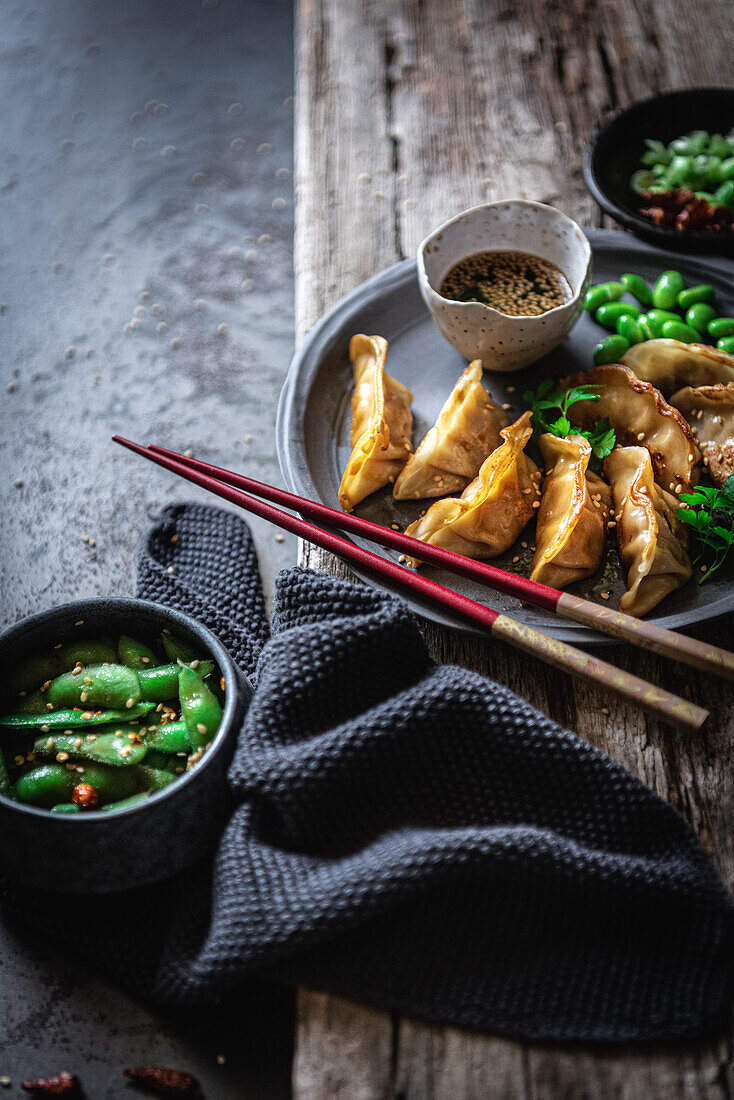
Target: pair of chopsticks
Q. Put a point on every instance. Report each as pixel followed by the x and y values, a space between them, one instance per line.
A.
pixel 236 488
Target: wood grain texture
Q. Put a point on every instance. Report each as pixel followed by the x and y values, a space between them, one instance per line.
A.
pixel 408 111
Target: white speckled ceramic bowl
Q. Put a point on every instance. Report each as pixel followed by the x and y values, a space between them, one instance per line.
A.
pixel 505 343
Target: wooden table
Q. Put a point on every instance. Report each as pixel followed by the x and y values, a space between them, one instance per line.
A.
pixel 408 111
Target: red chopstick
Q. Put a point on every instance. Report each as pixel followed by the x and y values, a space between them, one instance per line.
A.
pixel 700 654
pixel 663 704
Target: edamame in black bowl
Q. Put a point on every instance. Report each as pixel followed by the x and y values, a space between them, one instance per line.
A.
pixel 118 723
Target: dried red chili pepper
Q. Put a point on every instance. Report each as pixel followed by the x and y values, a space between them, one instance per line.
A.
pixel 64 1084
pixel 85 796
pixel 682 209
pixel 164 1082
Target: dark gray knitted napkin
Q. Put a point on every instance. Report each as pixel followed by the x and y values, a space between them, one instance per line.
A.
pixel 413 836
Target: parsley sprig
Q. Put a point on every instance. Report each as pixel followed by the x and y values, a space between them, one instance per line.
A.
pixel 546 398
pixel 711 515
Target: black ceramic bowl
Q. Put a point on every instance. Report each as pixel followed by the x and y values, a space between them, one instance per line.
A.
pixel 99 852
pixel 615 153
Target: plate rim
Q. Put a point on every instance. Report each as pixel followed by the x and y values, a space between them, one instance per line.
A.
pixel 296 473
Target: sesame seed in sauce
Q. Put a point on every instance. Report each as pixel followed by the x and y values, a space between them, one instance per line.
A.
pixel 518 284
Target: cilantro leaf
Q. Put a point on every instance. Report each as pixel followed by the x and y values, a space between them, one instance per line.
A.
pixel 560 427
pixel 602 439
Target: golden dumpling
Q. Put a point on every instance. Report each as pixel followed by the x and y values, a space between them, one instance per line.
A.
pixel 573 515
pixel 492 511
pixel 640 416
pixel 381 423
pixel 670 364
pixel 651 537
pixel 451 454
pixel 710 412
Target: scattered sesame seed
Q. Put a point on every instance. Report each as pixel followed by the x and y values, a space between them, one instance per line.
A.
pixel 515 559
pixel 236 108
pixel 161 326
pixel 175 342
pixel 5 1081
pixel 174 538
pixel 279 538
pixel 45 729
pixel 264 238
pixel 605 710
pixel 605 595
pixel 18 483
pixel 78 743
pixel 130 703
pixel 536 504
pixel 88 680
pixel 11 387
pixel 201 728
pixel 704 568
pixel 279 204
pixel 251 254
pixel 92 542
pixel 506 405
pixel 18 760
pixel 264 147
pixel 510 389
pixel 222 329
pixel 282 174
pixel 640 435
pixel 84 696
pixel 248 439
pixel 221 1059
pixel 237 144
pixel 195 663
pixel 198 179
pixel 247 284
pixel 30 757
pixel 161 109
pixel 79 622
pixel 170 569
pixel 62 756
pixel 395 526
pixel 50 743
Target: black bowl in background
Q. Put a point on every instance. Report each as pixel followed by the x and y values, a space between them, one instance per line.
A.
pixel 615 153
pixel 98 852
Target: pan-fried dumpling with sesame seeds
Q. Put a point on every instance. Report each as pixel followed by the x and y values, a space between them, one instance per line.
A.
pixel 451 454
pixel 670 364
pixel 652 540
pixel 492 511
pixel 710 412
pixel 573 515
pixel 640 415
pixel 381 423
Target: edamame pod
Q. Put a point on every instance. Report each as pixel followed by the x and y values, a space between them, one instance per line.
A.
pixel 604 292
pixel 199 706
pixel 171 737
pixel 46 785
pixel 725 194
pixel 153 779
pixel 699 316
pixel 667 288
pixel 721 326
pixel 726 344
pixel 125 803
pixel 105 748
pixel 6 786
pixel 676 330
pixel 679 171
pixel 647 329
pixel 160 685
pixel 72 719
pixel 656 318
pixel 629 328
pixel 726 172
pixel 177 649
pixel 704 292
pixel 609 314
pixel 96 686
pixel 637 287
pixel 36 670
pixel 167 762
pixel 135 654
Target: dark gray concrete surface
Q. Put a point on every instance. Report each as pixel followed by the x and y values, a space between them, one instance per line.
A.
pixel 146 289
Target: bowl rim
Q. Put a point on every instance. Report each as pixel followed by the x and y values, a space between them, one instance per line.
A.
pixel 219 652
pixel 521 318
pixel 663 235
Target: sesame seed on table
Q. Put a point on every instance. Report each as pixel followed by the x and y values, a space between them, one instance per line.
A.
pixel 469 103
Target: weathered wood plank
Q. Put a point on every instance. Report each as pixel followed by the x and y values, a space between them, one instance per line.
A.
pixel 408 111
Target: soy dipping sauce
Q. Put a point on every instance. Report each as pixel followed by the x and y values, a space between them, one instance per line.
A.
pixel 516 283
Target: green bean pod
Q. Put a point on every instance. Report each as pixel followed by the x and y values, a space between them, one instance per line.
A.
pixel 35 703
pixel 704 292
pixel 603 292
pixel 199 706
pixel 637 287
pixel 676 330
pixel 160 685
pixel 721 326
pixel 699 316
pixel 666 290
pixel 46 785
pixel 172 763
pixel 726 344
pixel 629 328
pixel 66 808
pixel 72 719
pixel 154 779
pixel 609 314
pixel 135 654
pixel 104 748
pixel 96 686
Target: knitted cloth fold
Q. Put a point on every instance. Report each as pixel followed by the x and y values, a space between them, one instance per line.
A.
pixel 413 836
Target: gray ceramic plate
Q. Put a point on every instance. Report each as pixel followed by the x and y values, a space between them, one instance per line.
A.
pixel 314 417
